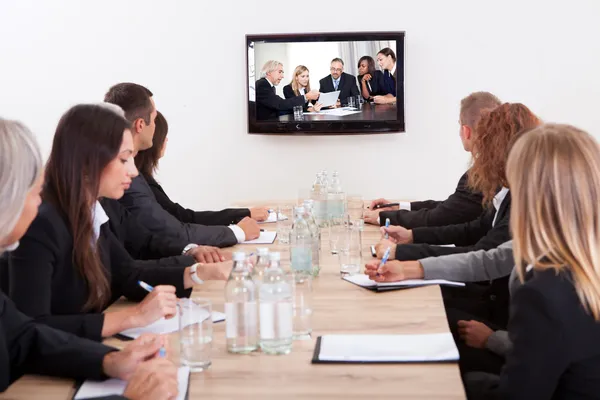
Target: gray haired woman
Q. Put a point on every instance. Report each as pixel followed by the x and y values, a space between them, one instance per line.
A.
pixel 28 347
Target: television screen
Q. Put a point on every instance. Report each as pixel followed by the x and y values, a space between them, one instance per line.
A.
pixel 326 83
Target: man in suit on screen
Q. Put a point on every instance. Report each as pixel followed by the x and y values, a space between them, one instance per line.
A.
pixel 339 80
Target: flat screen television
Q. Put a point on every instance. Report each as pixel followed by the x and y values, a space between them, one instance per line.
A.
pixel 325 83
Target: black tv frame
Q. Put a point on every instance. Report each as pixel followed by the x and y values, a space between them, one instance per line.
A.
pixel 329 127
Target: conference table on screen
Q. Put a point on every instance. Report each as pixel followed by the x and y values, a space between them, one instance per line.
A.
pixel 368 112
pixel 339 307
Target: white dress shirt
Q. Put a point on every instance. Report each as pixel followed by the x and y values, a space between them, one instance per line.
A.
pixel 99 218
pixel 497 200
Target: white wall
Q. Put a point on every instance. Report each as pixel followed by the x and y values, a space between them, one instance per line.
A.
pixel 191 54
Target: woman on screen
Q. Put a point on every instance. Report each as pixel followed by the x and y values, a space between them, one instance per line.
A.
pixel 300 85
pixel 386 58
pixel 370 80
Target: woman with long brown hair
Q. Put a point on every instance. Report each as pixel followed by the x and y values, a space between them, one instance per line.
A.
pixel 70 266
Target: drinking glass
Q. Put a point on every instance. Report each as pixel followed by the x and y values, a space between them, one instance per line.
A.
pixel 195 333
pixel 351 102
pixel 350 251
pixel 284 226
pixel 302 289
pixel 298 112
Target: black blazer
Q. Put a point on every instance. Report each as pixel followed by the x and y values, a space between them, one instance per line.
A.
pixel 269 104
pixel 462 206
pixel 145 247
pixel 288 93
pixel 376 84
pixel 556 351
pixel 45 284
pixel 347 86
pixel 470 236
pixel 229 216
pixel 27 347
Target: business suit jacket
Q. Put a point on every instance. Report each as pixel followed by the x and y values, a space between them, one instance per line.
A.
pixel 27 347
pixel 347 86
pixel 376 83
pixel 269 105
pixel 470 236
pixel 145 247
pixel 140 201
pixel 288 93
pixel 556 352
pixel 224 217
pixel 463 205
pixel 46 285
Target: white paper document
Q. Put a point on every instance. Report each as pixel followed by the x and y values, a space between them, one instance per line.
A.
pixel 116 387
pixel 171 325
pixel 388 348
pixel 273 218
pixel 364 281
pixel 266 237
pixel 338 112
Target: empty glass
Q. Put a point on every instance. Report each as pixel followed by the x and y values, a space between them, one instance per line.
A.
pixel 355 209
pixel 285 219
pixel 350 251
pixel 298 112
pixel 351 102
pixel 195 333
pixel 359 102
pixel 337 227
pixel 302 288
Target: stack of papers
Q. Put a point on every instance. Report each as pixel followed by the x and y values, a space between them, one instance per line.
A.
pixel 171 325
pixel 434 347
pixel 116 387
pixel 364 281
pixel 267 237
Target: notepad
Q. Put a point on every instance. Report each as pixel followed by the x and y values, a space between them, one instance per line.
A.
pixel 116 387
pixel 273 218
pixel 433 347
pixel 267 237
pixel 171 325
pixel 364 281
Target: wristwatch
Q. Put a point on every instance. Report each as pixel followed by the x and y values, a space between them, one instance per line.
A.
pixel 194 275
pixel 188 248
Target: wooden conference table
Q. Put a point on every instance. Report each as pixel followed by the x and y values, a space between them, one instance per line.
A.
pixel 368 112
pixel 338 307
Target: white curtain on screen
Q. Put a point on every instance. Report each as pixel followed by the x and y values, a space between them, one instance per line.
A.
pixel 351 52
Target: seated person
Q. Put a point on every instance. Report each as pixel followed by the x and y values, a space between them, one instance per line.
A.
pixel 27 347
pixel 493 136
pixel 268 104
pixel 370 80
pixel 300 85
pixel 69 266
pixel 386 58
pixel 146 162
pixel 463 205
pixel 339 80
pixel 139 199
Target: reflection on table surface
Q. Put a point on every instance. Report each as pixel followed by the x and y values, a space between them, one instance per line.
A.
pixel 368 112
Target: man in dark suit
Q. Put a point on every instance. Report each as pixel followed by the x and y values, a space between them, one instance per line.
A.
pixel 339 80
pixel 268 104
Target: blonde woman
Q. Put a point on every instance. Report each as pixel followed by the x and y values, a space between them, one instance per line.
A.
pixel 300 85
pixel 554 177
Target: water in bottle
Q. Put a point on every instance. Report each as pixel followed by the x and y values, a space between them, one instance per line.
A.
pixel 241 308
pixel 262 262
pixel 336 205
pixel 276 309
pixel 301 241
pixel 316 233
pixel 319 196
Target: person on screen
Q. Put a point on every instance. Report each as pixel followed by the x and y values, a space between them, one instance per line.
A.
pixel 268 104
pixel 300 85
pixel 386 58
pixel 339 80
pixel 28 347
pixel 370 79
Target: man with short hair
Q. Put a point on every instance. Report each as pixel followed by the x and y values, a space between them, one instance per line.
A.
pixel 463 205
pixel 138 105
pixel 339 80
pixel 268 104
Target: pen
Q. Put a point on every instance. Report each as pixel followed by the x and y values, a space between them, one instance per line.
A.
pixel 387 225
pixel 145 286
pixel 378 206
pixel 386 255
pixel 162 353
pixel 262 230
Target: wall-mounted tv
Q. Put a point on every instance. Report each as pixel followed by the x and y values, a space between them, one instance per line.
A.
pixel 325 83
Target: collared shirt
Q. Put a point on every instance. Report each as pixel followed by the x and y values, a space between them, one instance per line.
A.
pixel 336 82
pixel 99 218
pixel 497 200
pixel 393 71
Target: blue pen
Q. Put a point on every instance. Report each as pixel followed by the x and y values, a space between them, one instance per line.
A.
pixel 162 353
pixel 386 255
pixel 145 286
pixel 387 225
